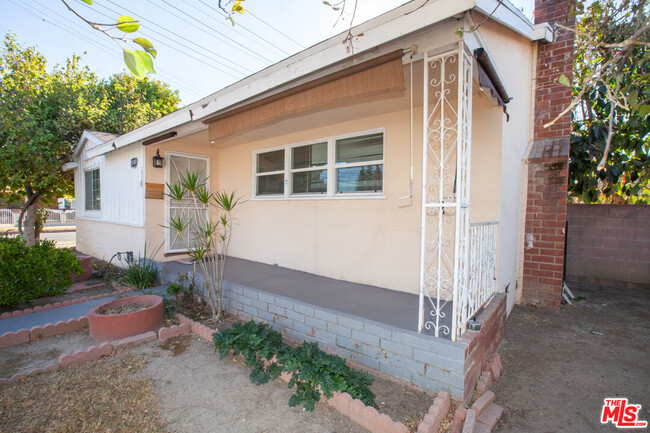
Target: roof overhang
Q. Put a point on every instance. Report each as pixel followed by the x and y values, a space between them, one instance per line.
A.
pixel 393 25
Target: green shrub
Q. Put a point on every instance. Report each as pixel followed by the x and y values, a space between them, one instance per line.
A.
pixel 310 368
pixel 143 273
pixel 33 272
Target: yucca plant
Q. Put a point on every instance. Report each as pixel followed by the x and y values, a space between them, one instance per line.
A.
pixel 204 227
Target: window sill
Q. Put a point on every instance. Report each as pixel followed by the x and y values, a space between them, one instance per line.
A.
pixel 323 197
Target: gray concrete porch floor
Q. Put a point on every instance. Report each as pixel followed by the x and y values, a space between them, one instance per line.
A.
pixel 394 308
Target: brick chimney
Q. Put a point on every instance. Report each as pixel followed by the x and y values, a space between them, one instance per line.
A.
pixel 548 160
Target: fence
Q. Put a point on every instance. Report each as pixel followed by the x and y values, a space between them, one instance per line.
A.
pixel 60 217
pixel 9 217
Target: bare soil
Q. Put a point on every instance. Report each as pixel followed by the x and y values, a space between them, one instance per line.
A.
pixel 122 309
pixel 557 370
pixel 38 354
pixel 101 396
pixel 200 393
pixel 401 402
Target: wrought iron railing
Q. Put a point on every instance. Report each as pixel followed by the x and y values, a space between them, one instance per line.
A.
pixel 482 265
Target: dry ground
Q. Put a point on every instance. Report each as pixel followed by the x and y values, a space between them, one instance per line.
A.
pixel 558 369
pixel 177 386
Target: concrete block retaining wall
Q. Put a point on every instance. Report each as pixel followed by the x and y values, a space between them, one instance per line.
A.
pixel 431 363
pixel 608 245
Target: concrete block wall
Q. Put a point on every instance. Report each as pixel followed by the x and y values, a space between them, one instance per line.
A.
pixel 431 363
pixel 609 245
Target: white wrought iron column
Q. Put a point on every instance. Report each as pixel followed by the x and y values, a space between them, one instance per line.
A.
pixel 446 152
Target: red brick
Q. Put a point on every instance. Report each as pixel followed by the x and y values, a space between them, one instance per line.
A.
pixel 483 402
pixel 135 340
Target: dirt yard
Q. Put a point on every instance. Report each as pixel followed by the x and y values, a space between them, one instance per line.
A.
pixel 38 354
pixel 558 369
pixel 188 389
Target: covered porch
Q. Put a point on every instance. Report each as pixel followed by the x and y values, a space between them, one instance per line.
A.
pixel 372 327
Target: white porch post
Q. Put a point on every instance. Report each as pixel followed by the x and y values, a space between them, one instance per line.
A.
pixel 446 151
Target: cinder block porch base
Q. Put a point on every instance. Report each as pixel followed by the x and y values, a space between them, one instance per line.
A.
pixel 394 348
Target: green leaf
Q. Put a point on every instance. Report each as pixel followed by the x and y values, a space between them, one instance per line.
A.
pixel 564 80
pixel 134 63
pixel 144 43
pixel 146 60
pixel 644 110
pixel 148 46
pixel 88 1
pixel 129 24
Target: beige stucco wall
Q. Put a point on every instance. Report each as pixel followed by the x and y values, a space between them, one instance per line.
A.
pixel 103 239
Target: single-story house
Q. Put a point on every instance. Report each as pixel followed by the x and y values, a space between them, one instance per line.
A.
pixel 393 208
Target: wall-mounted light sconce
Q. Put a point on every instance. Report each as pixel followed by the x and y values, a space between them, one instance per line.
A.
pixel 158 160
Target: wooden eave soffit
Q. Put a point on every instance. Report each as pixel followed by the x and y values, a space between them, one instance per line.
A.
pixel 376 77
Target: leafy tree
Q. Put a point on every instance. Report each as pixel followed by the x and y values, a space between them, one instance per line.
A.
pixel 43 114
pixel 610 145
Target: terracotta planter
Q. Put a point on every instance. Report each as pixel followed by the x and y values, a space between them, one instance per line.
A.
pixel 106 327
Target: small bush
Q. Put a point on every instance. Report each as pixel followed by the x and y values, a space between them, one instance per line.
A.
pixel 310 368
pixel 33 272
pixel 143 273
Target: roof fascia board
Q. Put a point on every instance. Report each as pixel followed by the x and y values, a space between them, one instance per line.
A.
pixel 86 136
pixel 182 130
pixel 509 16
pixel 69 166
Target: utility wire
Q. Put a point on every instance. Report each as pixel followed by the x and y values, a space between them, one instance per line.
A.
pixel 248 12
pixel 244 69
pixel 253 53
pixel 240 26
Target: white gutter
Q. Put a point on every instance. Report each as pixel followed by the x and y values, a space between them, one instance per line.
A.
pixel 403 20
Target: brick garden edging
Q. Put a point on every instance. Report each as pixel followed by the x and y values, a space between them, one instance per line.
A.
pixel 437 413
pixel 92 353
pixel 21 336
pixel 46 307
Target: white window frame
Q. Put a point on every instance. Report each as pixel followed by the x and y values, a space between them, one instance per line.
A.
pixel 331 168
pixel 86 211
pixel 168 155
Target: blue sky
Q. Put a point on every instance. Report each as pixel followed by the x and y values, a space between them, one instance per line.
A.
pixel 199 52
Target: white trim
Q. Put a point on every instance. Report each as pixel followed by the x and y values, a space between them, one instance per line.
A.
pixel 92 212
pixel 169 153
pixel 359 196
pixel 69 166
pixel 331 167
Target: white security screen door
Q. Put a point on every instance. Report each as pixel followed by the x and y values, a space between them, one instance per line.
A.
pixel 178 165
